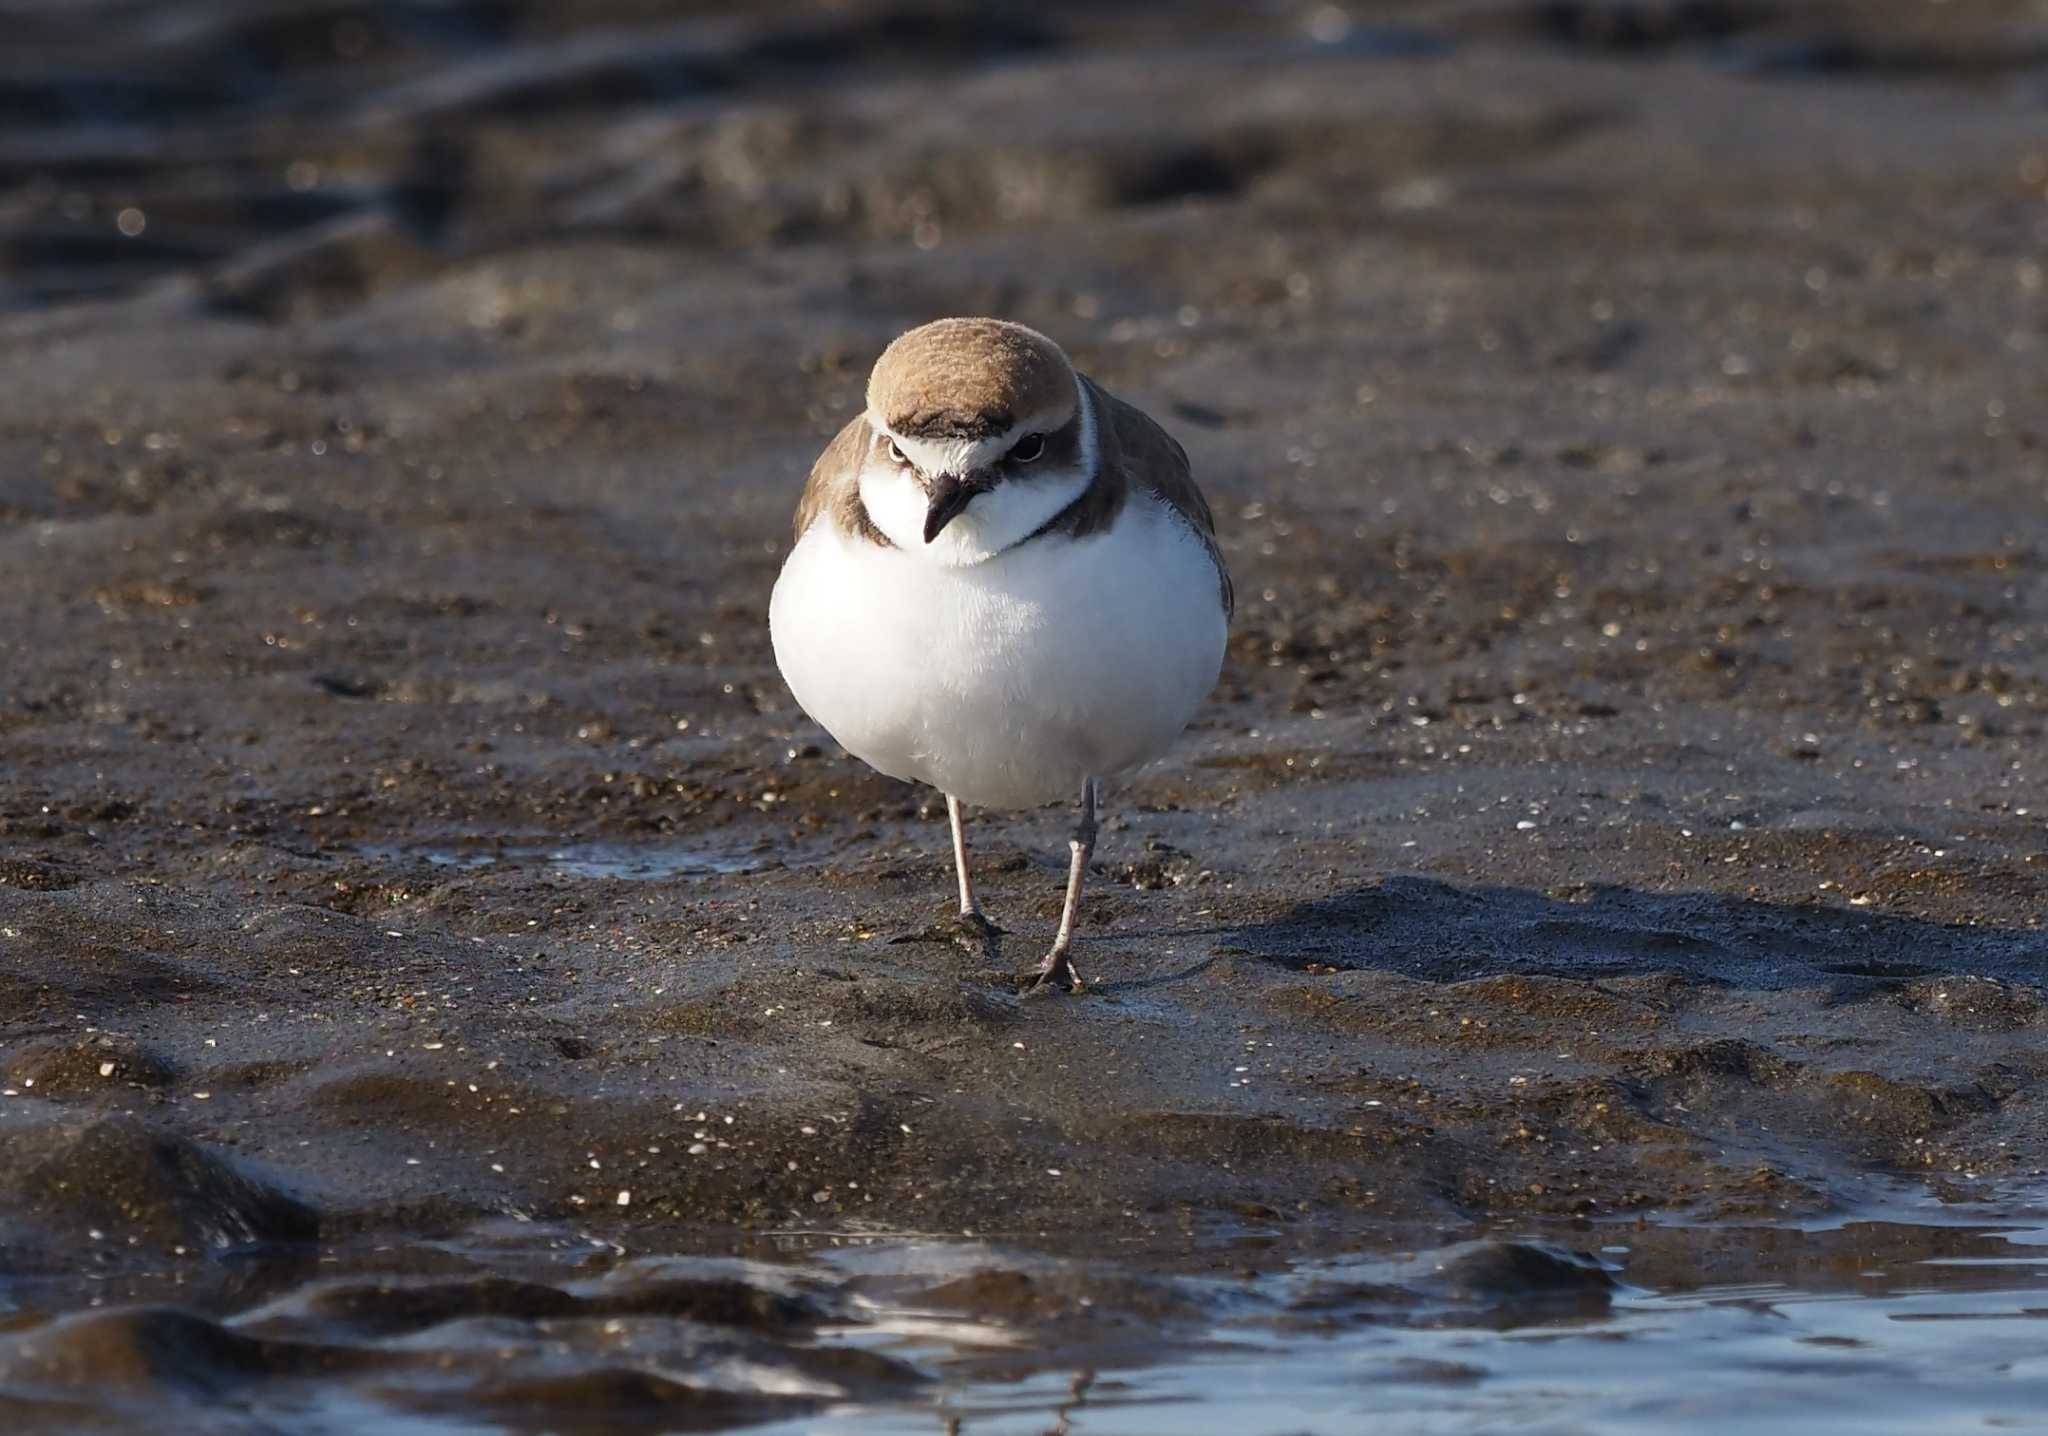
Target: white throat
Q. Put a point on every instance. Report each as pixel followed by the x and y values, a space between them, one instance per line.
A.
pixel 1000 519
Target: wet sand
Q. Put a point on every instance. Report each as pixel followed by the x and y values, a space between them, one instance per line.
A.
pixel 1626 430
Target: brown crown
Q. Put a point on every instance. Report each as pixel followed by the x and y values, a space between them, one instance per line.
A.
pixel 970 379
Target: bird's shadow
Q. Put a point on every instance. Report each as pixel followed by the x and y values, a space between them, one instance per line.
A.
pixel 1163 979
pixel 1439 931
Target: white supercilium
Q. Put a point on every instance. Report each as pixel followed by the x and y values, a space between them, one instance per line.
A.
pixel 1009 513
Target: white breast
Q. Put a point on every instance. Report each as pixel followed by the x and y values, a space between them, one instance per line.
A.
pixel 1007 682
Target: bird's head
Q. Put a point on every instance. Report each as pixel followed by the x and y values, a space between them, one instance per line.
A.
pixel 979 434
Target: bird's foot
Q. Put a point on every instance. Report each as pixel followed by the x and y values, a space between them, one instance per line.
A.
pixel 973 932
pixel 977 926
pixel 1056 974
pixel 970 930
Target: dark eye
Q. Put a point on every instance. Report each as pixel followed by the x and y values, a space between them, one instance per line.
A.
pixel 896 453
pixel 1028 448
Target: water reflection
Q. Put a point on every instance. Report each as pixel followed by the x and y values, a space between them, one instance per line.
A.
pixel 1883 1323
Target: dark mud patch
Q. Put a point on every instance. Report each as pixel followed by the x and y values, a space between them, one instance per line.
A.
pixel 83 1069
pixel 117 1184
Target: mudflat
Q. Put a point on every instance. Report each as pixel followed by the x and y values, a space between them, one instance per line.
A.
pixel 1626 429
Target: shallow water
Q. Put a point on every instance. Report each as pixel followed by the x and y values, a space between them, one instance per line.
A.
pixel 1913 1319
pixel 628 862
pixel 1916 1356
pixel 1902 1342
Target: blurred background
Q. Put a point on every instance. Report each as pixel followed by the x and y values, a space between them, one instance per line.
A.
pixel 1586 352
pixel 293 156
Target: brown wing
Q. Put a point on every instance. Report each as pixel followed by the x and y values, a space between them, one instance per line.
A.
pixel 834 486
pixel 1153 459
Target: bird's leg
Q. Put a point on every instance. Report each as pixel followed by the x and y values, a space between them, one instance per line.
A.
pixel 956 817
pixel 969 929
pixel 1058 969
pixel 973 921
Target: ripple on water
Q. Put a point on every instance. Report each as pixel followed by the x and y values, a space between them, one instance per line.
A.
pixel 1874 1325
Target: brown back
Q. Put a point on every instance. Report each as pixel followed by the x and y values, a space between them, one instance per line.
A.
pixel 1135 451
pixel 834 485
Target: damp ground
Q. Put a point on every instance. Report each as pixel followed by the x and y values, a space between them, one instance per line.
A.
pixel 1619 816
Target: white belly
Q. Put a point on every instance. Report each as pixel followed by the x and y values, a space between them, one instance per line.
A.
pixel 1005 683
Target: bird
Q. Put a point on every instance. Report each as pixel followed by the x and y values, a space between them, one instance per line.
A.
pixel 1005 584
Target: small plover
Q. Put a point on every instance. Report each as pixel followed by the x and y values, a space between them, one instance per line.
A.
pixel 1005 585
